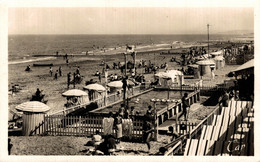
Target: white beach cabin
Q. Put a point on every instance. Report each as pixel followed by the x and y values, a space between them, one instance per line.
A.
pixel 170 78
pixel 206 67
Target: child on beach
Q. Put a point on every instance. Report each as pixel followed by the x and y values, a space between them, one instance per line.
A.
pixel 56 75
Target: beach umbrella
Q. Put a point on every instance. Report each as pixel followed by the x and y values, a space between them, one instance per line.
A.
pixel 95 87
pixel 33 106
pixel 116 84
pixel 74 92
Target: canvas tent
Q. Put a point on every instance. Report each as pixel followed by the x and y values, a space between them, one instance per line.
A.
pixel 205 67
pixel 75 97
pixel 170 78
pixel 218 53
pixel 219 61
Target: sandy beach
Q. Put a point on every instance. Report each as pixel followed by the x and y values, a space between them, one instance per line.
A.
pixel 39 77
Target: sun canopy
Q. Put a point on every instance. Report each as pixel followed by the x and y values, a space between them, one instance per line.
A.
pixel 33 106
pixel 74 92
pixel 116 84
pixel 245 66
pixel 95 87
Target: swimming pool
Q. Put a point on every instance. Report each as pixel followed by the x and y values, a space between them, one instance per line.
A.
pixel 142 101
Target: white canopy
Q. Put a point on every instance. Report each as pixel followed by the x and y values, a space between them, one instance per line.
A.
pixel 95 87
pixel 33 106
pixel 172 75
pixel 169 74
pixel 74 92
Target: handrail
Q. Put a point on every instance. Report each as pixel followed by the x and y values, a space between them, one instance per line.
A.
pixel 204 120
pixel 95 100
pixel 190 134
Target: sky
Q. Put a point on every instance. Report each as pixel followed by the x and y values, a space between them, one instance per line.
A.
pixel 132 20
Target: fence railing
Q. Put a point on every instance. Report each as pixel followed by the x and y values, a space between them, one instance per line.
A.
pixel 175 109
pixel 81 126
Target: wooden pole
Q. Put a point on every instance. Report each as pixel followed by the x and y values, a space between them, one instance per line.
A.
pixel 124 97
pixel 125 64
pixel 208 37
pixel 155 123
pixel 106 75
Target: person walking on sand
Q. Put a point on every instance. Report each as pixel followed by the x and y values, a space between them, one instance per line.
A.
pixel 50 71
pixel 60 71
pixel 69 79
pixel 67 62
pixel 56 75
pixel 186 105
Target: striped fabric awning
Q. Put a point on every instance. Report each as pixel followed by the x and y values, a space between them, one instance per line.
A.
pixel 33 106
pixel 74 92
pixel 95 87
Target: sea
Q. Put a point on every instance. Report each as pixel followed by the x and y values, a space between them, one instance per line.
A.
pixel 26 48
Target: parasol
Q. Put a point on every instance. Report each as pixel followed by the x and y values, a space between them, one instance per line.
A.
pixel 74 92
pixel 116 84
pixel 33 106
pixel 95 87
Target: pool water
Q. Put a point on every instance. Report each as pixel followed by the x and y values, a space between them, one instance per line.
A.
pixel 142 102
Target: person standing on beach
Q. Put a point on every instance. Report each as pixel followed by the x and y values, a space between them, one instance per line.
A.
pixel 60 71
pixel 69 79
pixel 56 75
pixel 118 127
pixel 67 61
pixel 77 71
pixel 9 146
pixel 185 105
pixel 50 71
pixel 99 77
pixel 223 100
pixel 124 81
pixel 147 133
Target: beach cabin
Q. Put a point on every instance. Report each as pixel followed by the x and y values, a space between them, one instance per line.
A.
pixel 219 62
pixel 170 78
pixel 195 69
pixel 218 53
pixel 95 91
pixel 75 97
pixel 33 115
pixel 206 67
